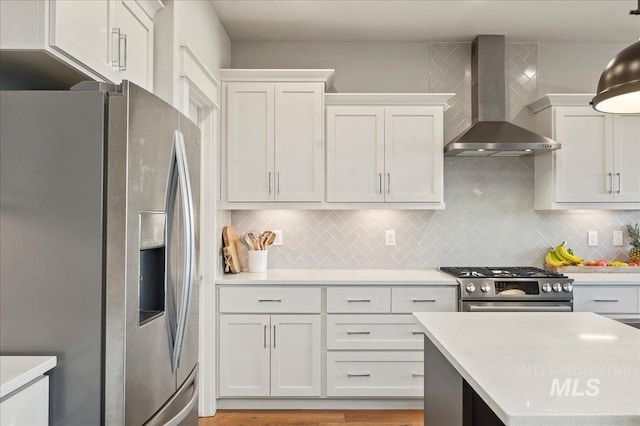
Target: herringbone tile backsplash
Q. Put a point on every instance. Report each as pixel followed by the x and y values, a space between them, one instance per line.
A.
pixel 489 218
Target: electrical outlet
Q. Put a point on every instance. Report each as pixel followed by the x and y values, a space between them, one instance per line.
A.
pixel 390 237
pixel 592 238
pixel 617 238
pixel 278 240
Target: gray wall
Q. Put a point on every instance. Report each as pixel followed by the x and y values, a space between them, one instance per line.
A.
pixel 489 217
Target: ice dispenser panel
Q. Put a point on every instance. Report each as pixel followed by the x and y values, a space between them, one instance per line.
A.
pixel 151 281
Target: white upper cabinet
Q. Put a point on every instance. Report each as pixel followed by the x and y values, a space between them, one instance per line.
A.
pixel 109 40
pixel 385 148
pixel 598 165
pixel 81 30
pixel 273 126
pixel 134 35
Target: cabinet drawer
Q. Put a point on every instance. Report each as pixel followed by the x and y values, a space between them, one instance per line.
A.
pixel 375 374
pixel 364 300
pixel 423 299
pixel 270 300
pixel 605 300
pixel 373 332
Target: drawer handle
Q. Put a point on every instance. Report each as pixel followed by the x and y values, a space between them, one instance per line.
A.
pixel 269 300
pixel 417 374
pixel 416 332
pixel 358 374
pixel 606 300
pixel 423 300
pixel 358 332
pixel 358 300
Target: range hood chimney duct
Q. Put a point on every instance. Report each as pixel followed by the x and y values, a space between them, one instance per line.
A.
pixel 490 135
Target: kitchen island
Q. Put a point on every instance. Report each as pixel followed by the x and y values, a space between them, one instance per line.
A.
pixel 530 369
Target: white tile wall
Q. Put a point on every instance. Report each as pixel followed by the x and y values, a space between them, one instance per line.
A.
pixel 488 220
pixel 489 217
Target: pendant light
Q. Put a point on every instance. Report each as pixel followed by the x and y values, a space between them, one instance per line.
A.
pixel 619 85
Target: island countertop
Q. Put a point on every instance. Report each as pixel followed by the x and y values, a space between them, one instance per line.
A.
pixel 341 277
pixel 544 368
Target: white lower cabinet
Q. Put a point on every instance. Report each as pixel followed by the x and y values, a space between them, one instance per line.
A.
pixel 606 299
pixel 270 355
pixel 27 406
pixel 338 342
pixel 390 374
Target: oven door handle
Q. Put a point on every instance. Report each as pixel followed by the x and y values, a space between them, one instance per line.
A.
pixel 519 308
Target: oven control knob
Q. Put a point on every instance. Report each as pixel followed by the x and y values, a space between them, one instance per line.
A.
pixel 546 287
pixel 567 287
pixel 485 287
pixel 471 287
pixel 557 287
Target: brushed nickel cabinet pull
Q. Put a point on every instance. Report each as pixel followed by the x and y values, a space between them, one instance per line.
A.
pixel 358 332
pixel 606 300
pixel 274 337
pixel 277 182
pixel 269 182
pixel 265 336
pixel 388 183
pixel 358 300
pixel 269 300
pixel 619 184
pixel 423 300
pixel 610 182
pixel 380 182
pixel 358 374
pixel 416 332
pixel 417 374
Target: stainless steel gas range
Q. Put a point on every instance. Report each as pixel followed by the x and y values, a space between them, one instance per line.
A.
pixel 512 289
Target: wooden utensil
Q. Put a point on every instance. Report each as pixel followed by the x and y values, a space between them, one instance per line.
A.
pixel 271 237
pixel 255 239
pixel 232 242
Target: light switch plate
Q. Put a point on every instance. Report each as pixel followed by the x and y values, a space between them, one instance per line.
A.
pixel 592 238
pixel 617 238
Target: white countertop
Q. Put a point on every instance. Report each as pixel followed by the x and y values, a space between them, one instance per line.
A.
pixel 341 277
pixel 512 359
pixel 604 278
pixel 17 371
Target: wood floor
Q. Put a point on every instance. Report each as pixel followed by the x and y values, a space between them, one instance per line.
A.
pixel 314 418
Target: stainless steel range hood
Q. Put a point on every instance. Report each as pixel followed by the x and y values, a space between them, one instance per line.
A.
pixel 491 135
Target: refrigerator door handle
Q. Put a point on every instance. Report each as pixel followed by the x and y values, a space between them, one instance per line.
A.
pixel 183 181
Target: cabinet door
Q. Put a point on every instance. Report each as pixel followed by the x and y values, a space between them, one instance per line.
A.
pixel 250 142
pixel 295 356
pixel 299 124
pixel 82 30
pixel 355 154
pixel 584 164
pixel 244 355
pixel 136 55
pixel 626 157
pixel 413 154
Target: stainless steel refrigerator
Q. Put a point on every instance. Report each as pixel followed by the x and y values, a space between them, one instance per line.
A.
pixel 99 211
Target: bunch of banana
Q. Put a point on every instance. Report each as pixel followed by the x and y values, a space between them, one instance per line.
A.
pixel 562 256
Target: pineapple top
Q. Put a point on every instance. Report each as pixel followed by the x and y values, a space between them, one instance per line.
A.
pixel 634 235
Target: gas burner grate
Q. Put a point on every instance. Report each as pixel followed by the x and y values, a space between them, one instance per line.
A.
pixel 500 272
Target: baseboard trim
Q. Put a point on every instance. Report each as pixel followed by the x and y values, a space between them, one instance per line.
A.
pixel 320 404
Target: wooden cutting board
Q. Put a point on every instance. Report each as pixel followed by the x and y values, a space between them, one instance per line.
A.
pixel 232 249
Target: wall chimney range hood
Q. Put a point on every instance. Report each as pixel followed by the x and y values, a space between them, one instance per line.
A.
pixel 490 134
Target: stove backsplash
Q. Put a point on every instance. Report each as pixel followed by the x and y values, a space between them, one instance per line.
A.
pixel 489 220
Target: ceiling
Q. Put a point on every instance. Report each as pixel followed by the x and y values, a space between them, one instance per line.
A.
pixel 606 21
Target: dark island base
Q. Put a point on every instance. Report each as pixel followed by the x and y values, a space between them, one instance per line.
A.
pixel 448 398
